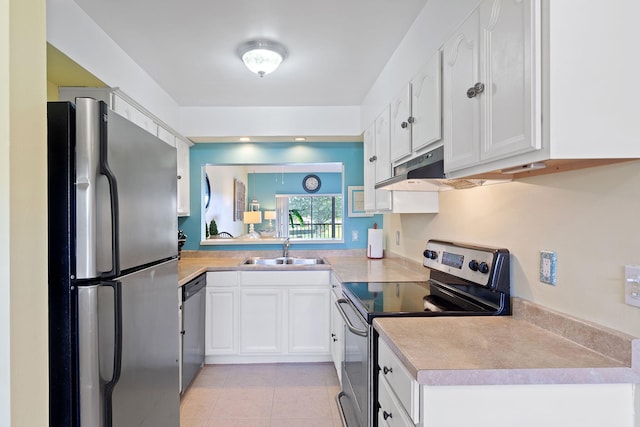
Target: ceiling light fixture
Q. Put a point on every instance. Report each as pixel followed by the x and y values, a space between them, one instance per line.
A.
pixel 262 56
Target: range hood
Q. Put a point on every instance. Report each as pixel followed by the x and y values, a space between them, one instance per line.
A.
pixel 426 173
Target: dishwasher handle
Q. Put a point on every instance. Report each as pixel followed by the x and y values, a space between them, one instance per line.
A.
pixel 347 321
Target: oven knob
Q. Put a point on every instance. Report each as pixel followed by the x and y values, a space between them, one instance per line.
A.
pixel 483 267
pixel 430 254
pixel 473 265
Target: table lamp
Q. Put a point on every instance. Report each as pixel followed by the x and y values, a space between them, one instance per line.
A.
pixel 252 217
pixel 270 215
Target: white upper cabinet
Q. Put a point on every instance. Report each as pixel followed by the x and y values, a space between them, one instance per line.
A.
pixel 426 104
pixel 490 85
pixel 377 166
pixel 133 114
pixel 167 136
pixel 183 199
pixel 400 142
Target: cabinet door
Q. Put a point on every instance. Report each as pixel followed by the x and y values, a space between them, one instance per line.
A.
pixel 461 114
pixel 309 321
pixel 400 143
pixel 370 159
pixel 509 101
pixel 261 320
pixel 183 177
pixel 337 331
pixel 220 327
pixel 383 162
pixel 426 101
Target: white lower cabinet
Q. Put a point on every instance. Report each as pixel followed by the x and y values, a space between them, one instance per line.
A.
pixel 337 328
pixel 405 403
pixel 221 309
pixel 308 332
pixel 261 320
pixel 398 392
pixel 268 316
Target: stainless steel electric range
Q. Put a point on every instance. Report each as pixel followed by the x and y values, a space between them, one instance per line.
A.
pixel 464 280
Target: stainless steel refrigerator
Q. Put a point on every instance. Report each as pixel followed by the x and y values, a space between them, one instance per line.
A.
pixel 113 272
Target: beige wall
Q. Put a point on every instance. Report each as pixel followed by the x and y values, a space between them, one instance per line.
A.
pixel 23 220
pixel 589 217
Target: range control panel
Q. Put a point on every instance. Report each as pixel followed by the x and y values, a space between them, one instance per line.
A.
pixel 480 265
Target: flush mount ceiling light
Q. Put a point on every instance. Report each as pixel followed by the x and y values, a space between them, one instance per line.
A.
pixel 262 56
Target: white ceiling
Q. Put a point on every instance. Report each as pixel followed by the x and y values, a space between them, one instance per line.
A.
pixel 336 48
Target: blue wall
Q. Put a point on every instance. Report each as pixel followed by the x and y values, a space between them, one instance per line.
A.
pixel 348 153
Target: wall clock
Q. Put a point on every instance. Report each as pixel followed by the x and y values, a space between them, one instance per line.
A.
pixel 311 183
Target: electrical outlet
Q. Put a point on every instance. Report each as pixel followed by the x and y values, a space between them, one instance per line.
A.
pixel 397 238
pixel 354 235
pixel 632 285
pixel 548 261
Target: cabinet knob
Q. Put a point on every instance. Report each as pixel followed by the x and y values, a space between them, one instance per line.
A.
pixel 411 119
pixel 386 415
pixel 373 159
pixel 386 370
pixel 404 125
pixel 179 176
pixel 477 89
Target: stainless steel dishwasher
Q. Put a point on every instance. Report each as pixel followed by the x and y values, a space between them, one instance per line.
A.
pixel 193 318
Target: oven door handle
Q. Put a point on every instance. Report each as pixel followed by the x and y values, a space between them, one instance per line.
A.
pixel 352 328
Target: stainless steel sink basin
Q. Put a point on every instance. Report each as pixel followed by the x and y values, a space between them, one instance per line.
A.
pixel 283 261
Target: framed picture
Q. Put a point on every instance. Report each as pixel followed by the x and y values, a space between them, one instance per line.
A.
pixel 238 199
pixel 355 198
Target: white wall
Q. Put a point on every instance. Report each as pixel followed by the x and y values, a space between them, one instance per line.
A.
pixel 589 217
pixel 23 226
pixel 270 121
pixel 222 197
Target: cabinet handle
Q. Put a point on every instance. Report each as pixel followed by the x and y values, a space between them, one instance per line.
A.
pixel 386 415
pixel 387 370
pixel 477 89
pixel 404 125
pixel 411 119
pixel 334 337
pixel 373 159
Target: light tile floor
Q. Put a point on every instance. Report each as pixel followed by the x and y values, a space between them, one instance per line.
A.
pixel 264 395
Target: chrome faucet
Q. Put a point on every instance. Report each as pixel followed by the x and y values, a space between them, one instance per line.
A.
pixel 285 247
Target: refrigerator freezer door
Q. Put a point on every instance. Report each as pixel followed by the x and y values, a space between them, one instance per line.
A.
pixel 144 373
pixel 145 170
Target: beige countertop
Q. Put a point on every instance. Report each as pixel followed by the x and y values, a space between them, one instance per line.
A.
pixel 349 266
pixel 535 346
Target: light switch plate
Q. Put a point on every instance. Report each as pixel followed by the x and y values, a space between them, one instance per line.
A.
pixel 548 261
pixel 632 285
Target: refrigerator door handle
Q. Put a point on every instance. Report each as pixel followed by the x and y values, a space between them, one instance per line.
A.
pixel 113 194
pixel 117 351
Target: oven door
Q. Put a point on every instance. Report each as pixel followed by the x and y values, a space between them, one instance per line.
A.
pixel 354 397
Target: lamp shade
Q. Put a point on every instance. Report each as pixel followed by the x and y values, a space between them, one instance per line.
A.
pixel 252 217
pixel 269 215
pixel 262 56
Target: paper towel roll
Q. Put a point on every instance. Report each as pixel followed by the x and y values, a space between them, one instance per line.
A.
pixel 375 239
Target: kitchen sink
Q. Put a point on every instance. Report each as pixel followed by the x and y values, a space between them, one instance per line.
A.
pixel 283 261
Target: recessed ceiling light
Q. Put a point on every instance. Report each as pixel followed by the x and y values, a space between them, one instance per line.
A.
pixel 245 139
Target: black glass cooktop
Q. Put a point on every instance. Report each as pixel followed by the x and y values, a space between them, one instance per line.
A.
pixel 411 299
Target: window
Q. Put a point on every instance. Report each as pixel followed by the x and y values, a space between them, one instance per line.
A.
pixel 317 217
